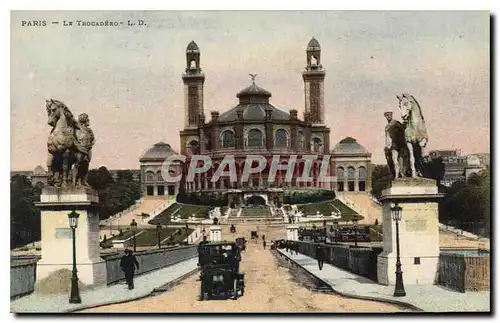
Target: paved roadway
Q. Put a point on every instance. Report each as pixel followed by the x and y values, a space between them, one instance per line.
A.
pixel 269 288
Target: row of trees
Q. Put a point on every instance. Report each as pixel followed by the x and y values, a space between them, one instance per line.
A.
pixel 212 199
pixel 466 204
pixel 24 216
pixel 114 196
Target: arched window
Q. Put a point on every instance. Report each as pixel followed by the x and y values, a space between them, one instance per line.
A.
pixel 280 138
pixel 194 147
pixel 362 172
pixel 255 138
pixel 314 60
pixel 340 173
pixel 150 177
pixel 351 172
pixel 228 139
pixel 301 139
pixel 316 145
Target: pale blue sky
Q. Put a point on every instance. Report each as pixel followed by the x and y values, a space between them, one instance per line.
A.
pixel 129 79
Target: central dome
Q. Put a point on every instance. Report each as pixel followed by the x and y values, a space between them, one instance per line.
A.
pixel 254 105
pixel 253 90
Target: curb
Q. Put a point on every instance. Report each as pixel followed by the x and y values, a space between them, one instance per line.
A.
pixel 369 298
pixel 152 293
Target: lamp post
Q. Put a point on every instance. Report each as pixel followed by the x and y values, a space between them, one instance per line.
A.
pixel 355 233
pixel 399 290
pixel 158 231
pixel 133 226
pixel 75 293
pixel 187 234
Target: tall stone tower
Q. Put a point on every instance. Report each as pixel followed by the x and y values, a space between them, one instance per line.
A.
pixel 314 77
pixel 193 79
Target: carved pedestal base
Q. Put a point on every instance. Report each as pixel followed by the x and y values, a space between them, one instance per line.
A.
pixel 418 232
pixel 57 243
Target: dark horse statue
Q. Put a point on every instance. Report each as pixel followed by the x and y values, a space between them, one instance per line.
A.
pixel 69 146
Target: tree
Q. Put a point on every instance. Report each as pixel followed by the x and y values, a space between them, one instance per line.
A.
pixel 434 169
pixel 114 196
pixel 381 179
pixel 25 224
pixel 467 204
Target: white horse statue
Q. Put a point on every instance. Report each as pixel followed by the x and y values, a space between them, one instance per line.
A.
pixel 415 132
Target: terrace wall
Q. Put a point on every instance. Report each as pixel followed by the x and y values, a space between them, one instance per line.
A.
pixel 23 275
pixel 361 261
pixel 464 273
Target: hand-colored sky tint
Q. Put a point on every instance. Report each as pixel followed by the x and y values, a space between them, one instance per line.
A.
pixel 128 79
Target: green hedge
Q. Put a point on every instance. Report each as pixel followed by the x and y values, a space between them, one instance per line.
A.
pixel 307 196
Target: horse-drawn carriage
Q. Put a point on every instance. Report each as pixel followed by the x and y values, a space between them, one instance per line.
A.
pixel 254 236
pixel 220 262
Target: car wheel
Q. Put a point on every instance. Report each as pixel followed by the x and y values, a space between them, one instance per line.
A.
pixel 235 289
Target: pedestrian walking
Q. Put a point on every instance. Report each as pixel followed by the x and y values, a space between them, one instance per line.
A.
pixel 287 245
pixel 320 256
pixel 128 264
pixel 264 244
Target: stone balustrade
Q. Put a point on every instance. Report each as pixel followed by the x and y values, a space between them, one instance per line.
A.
pixel 23 275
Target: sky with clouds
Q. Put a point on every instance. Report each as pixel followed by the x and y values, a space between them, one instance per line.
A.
pixel 129 79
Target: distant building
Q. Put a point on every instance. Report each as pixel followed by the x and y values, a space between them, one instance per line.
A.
pixel 456 166
pixel 352 161
pixel 152 182
pixel 484 158
pixel 38 176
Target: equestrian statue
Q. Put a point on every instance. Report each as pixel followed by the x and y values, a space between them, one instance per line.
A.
pixel 69 146
pixel 406 141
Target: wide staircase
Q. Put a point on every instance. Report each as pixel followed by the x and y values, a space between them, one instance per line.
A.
pixel 254 214
pixel 364 204
pixel 147 205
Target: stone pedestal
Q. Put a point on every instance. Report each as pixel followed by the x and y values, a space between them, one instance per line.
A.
pixel 292 232
pixel 57 239
pixel 418 232
pixel 215 233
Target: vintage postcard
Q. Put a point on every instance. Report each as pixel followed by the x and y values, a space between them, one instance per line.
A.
pixel 250 162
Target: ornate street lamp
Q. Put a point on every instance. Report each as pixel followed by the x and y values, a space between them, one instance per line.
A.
pixel 133 226
pixel 356 233
pixel 397 214
pixel 75 293
pixel 158 231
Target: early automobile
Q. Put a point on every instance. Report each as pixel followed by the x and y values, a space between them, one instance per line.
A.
pixel 220 276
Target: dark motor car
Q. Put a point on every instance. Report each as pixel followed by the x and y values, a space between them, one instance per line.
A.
pixel 220 262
